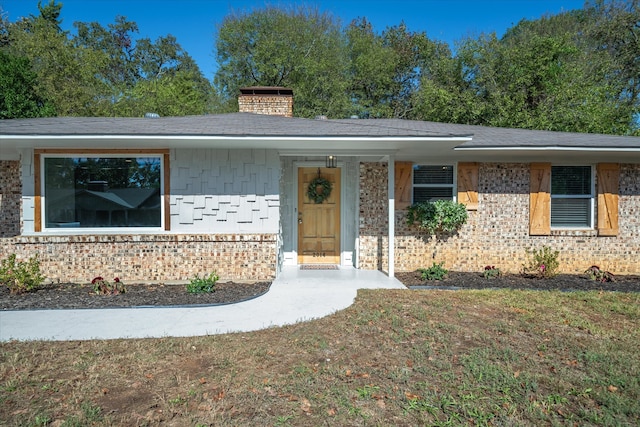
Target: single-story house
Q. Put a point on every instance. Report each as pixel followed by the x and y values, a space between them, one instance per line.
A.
pixel 160 199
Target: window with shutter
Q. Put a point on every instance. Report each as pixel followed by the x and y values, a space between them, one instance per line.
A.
pixel 540 199
pixel 403 184
pixel 608 183
pixel 572 197
pixel 432 182
pixel 468 185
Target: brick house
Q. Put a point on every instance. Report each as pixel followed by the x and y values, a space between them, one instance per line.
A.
pixel 161 199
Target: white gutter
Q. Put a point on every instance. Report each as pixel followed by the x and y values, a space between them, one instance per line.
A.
pixel 243 137
pixel 552 148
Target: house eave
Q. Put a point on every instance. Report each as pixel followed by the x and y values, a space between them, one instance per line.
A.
pixel 286 145
pixel 566 154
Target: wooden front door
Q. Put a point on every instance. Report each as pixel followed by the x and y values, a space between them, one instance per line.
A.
pixel 318 223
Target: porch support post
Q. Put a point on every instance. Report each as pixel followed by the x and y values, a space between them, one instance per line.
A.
pixel 391 170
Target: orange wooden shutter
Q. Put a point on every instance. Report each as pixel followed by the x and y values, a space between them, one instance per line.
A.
pixel 37 201
pixel 540 199
pixel 608 182
pixel 403 186
pixel 468 185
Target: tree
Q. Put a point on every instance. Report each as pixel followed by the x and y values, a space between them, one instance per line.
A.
pixel 61 73
pixel 18 95
pixel 615 29
pixel 372 71
pixel 542 74
pixel 141 76
pixel 104 71
pixel 297 47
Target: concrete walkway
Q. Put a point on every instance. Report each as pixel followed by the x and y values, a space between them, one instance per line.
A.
pixel 294 296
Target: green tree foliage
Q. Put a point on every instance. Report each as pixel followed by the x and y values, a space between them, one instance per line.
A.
pixel 372 71
pixel 61 74
pixel 296 47
pixel 575 71
pixel 556 73
pixel 142 76
pixel 18 96
pixel 616 31
pixel 385 68
pixel 105 71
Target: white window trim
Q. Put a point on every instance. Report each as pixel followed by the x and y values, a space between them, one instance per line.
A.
pixel 591 198
pixel 454 185
pixel 100 230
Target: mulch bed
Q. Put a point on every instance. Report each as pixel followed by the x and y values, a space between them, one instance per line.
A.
pixel 562 282
pixel 74 296
pixel 68 296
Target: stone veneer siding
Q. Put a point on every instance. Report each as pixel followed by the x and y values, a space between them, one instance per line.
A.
pixel 10 198
pixel 498 232
pixel 149 258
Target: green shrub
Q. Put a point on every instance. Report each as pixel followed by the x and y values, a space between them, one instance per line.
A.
pixel 104 287
pixel 491 271
pixel 203 284
pixel 435 272
pixel 543 263
pixel 23 276
pixel 595 273
pixel 441 216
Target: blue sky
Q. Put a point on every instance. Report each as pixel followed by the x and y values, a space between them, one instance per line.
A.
pixel 193 22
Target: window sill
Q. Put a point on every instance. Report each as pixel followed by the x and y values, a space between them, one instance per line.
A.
pixel 574 232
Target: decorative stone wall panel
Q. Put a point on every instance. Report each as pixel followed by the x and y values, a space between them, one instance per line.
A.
pixel 220 191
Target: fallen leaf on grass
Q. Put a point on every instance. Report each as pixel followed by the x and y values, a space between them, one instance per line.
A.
pixel 306 405
pixel 411 396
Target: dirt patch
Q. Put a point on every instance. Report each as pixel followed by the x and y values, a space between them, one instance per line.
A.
pixel 74 296
pixel 563 282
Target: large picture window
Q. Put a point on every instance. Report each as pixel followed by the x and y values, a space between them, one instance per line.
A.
pixel 432 182
pixel 572 196
pixel 102 191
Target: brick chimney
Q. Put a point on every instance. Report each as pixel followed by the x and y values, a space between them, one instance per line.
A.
pixel 274 101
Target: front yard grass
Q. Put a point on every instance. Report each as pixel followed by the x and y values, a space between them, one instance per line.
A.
pixel 490 357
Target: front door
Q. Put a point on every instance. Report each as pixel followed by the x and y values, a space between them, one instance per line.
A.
pixel 319 219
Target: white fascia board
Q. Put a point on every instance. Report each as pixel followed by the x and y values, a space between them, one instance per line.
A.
pixel 551 148
pixel 243 138
pixel 359 144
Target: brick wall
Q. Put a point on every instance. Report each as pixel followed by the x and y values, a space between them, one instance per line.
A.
pixel 498 232
pixel 156 258
pixel 10 196
pixel 274 105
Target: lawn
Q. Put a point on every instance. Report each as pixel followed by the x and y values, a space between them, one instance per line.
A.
pixel 472 357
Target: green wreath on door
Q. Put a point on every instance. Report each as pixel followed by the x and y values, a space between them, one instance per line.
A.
pixel 319 189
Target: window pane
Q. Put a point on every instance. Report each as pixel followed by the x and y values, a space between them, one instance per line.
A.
pixel 574 180
pixel 430 194
pixel 432 174
pixel 570 212
pixel 86 192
